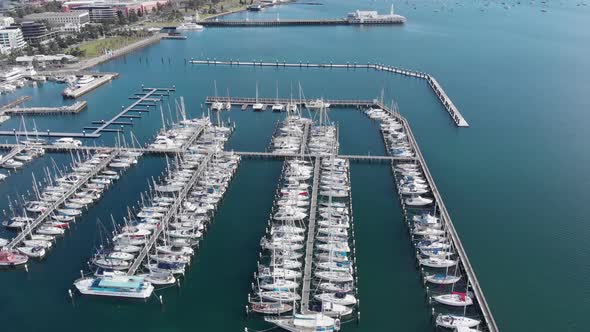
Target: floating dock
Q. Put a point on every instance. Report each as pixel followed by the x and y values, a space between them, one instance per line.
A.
pixel 269 101
pixel 449 106
pixel 69 109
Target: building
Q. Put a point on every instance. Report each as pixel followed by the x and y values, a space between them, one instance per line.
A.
pixel 70 22
pixel 6 21
pixel 118 6
pixel 11 39
pixel 36 33
pixel 44 60
pixel 98 13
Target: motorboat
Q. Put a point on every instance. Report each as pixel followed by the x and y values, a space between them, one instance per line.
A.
pixel 190 26
pixel 115 285
pixel 36 251
pixel 418 201
pixel 159 278
pixel 316 104
pixel 67 142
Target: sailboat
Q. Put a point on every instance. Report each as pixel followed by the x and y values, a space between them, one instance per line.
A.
pixel 217 105
pixel 257 107
pixel 277 107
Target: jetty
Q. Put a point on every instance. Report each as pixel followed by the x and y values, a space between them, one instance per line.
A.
pixel 69 109
pixel 305 290
pixel 51 209
pixel 247 102
pixel 16 149
pixel 448 105
pixel 15 102
pixel 100 79
pixel 277 23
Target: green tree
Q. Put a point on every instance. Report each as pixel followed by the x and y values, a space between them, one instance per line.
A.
pixel 121 18
pixel 132 16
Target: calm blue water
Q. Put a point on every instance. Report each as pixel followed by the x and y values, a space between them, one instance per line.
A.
pixel 514 182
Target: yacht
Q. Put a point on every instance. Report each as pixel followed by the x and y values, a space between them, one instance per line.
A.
pixel 316 104
pixel 68 141
pixel 455 322
pixel 190 26
pixel 83 81
pixel 115 285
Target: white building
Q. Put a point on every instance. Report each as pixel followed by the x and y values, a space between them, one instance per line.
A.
pixel 6 21
pixel 71 21
pixel 11 39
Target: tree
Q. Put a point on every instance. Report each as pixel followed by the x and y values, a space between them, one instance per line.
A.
pixel 132 16
pixel 121 18
pixel 61 42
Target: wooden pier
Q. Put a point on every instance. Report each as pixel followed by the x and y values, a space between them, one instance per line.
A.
pixel 50 209
pixel 69 109
pixel 306 289
pixel 169 215
pixel 449 106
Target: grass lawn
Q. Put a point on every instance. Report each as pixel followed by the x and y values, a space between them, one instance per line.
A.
pixel 94 48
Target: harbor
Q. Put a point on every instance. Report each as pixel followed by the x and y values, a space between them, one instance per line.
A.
pixel 295 140
pixel 422 224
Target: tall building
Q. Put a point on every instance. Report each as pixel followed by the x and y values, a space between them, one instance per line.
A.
pixel 71 21
pixel 36 32
pixel 98 13
pixel 11 39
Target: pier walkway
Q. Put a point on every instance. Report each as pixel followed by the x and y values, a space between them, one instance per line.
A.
pixel 269 101
pixel 15 102
pixel 50 210
pixel 305 138
pixel 149 98
pixel 169 215
pixel 449 106
pixel 305 291
pixel 13 152
pixel 308 22
pixel 448 223
pixel 244 154
pixel 69 109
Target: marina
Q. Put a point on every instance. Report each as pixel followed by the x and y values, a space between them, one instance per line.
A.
pixel 417 223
